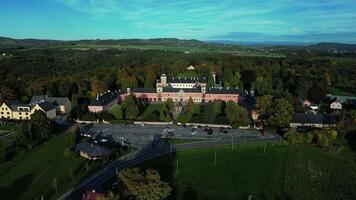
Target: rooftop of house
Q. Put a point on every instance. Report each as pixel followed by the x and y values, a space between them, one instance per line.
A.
pixel 93 150
pixel 46 106
pixel 221 90
pixel 341 98
pixel 104 98
pixel 15 105
pixel 56 101
pixel 312 118
pixel 93 195
pixel 144 90
pixel 186 80
pixel 185 90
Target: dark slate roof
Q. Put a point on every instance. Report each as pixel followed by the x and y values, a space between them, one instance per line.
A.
pixel 311 118
pixel 186 80
pixel 56 101
pixel 46 106
pixel 144 90
pixel 222 91
pixel 93 149
pixel 104 99
pixel 186 90
pixel 15 104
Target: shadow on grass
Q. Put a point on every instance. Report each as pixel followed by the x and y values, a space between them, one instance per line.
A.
pixel 17 188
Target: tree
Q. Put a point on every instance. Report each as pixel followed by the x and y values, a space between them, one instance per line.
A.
pixel 98 87
pixel 316 93
pixel 130 107
pixel 165 115
pixel 116 111
pixel 41 126
pixel 248 76
pixel 262 86
pixel 190 105
pixel 150 78
pixel 238 116
pixel 169 103
pixel 263 103
pixel 144 185
pixel 280 113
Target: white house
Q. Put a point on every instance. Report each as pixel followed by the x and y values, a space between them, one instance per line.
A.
pixel 336 105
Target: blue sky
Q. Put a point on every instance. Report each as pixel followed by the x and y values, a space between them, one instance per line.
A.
pixel 238 20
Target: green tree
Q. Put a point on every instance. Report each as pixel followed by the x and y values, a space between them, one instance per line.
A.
pixel 190 105
pixel 165 115
pixel 144 185
pixel 169 103
pixel 116 111
pixel 130 107
pixel 280 113
pixel 263 103
pixel 150 78
pixel 41 126
pixel 237 115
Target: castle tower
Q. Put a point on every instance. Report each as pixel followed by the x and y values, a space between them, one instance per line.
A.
pixel 164 80
pixel 214 77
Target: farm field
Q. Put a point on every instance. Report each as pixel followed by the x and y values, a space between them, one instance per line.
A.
pixel 279 172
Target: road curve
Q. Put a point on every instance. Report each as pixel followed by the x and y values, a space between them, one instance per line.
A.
pixel 132 159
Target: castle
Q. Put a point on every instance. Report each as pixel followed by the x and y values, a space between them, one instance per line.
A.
pixel 181 89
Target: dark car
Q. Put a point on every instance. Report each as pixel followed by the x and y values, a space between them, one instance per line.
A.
pixel 225 131
pixel 170 135
pixel 210 131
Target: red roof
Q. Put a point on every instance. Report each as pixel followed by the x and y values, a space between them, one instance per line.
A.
pixel 92 195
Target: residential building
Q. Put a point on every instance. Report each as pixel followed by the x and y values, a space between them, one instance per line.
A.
pixel 62 104
pixel 336 105
pixel 182 89
pixel 312 119
pixel 104 101
pixel 94 151
pixel 15 110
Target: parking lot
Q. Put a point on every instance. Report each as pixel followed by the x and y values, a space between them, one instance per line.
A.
pixel 141 136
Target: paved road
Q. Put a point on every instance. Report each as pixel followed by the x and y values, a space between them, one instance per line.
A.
pixel 99 178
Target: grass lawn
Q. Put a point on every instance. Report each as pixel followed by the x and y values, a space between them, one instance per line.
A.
pixel 30 174
pixel 283 172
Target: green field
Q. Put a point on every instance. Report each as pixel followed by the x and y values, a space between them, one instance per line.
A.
pixel 30 174
pixel 282 172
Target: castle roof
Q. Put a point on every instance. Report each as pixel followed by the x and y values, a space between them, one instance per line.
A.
pixel 186 80
pixel 216 90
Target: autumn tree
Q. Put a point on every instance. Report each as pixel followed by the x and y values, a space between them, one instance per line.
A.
pixel 97 87
pixel 190 107
pixel 145 185
pixel 150 78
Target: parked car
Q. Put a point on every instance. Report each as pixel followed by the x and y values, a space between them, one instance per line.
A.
pixel 170 135
pixel 210 131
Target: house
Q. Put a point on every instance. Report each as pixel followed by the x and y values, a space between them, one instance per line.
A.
pixel 15 110
pixel 191 67
pixel 305 102
pixel 47 108
pixel 312 119
pixel 181 89
pixel 93 195
pixel 336 105
pixel 103 101
pixel 62 104
pixel 94 151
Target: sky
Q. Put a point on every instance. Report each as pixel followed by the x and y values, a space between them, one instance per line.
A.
pixel 235 20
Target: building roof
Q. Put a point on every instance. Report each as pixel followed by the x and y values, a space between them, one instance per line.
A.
pixel 144 90
pixel 93 149
pixel 55 101
pixel 312 118
pixel 216 90
pixel 186 80
pixel 186 90
pixel 46 106
pixel 15 105
pixel 341 98
pixel 104 98
pixel 93 195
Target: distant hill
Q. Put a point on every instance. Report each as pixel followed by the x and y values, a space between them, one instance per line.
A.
pixel 331 47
